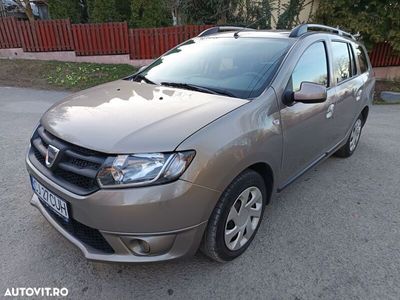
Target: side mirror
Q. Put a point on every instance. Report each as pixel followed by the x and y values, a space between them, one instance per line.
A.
pixel 310 93
pixel 142 68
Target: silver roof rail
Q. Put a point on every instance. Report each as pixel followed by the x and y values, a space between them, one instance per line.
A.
pixel 217 29
pixel 303 28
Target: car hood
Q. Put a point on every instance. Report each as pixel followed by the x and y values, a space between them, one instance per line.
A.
pixel 130 117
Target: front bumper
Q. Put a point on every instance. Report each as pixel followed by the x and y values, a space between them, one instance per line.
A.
pixel 145 224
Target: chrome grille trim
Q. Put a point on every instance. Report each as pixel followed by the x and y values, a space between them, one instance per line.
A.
pixel 75 168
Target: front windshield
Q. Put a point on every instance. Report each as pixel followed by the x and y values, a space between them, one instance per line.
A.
pixel 240 67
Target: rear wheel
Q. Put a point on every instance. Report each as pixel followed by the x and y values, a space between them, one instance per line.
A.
pixel 348 149
pixel 236 218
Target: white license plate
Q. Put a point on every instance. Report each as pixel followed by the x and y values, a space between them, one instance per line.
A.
pixel 54 202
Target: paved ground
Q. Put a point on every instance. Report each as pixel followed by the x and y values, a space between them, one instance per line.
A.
pixel 333 235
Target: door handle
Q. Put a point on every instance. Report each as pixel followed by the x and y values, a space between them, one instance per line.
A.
pixel 330 111
pixel 358 94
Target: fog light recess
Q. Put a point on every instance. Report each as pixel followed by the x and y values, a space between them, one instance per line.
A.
pixel 140 247
pixel 152 245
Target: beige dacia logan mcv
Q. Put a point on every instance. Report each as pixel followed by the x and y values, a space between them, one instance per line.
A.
pixel 187 153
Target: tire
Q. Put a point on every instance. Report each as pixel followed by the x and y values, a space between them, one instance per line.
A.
pixel 231 215
pixel 348 149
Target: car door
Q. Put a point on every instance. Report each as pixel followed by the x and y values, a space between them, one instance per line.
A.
pixel 349 87
pixel 307 128
pixel 365 76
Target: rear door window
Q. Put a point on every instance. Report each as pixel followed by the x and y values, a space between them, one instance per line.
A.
pixel 352 61
pixel 341 61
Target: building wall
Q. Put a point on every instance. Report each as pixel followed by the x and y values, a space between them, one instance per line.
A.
pixel 388 73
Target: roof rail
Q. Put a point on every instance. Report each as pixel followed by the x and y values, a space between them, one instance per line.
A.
pixel 217 29
pixel 303 28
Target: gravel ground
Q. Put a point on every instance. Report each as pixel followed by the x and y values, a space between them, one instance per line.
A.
pixel 334 234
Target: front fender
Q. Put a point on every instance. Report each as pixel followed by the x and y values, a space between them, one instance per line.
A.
pixel 246 136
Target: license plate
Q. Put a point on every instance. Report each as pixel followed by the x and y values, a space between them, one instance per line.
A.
pixel 54 202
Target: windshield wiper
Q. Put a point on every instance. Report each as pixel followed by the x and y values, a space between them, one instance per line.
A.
pixel 193 87
pixel 140 77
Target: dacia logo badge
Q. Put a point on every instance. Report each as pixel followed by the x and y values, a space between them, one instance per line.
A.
pixel 51 155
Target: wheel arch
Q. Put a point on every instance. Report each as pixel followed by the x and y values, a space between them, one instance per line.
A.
pixel 364 114
pixel 267 174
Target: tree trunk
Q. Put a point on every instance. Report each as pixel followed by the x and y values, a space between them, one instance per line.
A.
pixel 28 10
pixel 2 9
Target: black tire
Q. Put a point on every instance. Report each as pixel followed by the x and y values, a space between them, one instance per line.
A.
pixel 213 243
pixel 347 150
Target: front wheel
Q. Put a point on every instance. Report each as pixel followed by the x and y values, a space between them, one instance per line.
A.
pixel 236 218
pixel 348 149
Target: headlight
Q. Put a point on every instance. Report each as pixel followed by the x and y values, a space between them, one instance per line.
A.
pixel 143 169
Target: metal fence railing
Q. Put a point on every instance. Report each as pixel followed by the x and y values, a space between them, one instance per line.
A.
pixel 92 39
pixel 115 38
pixel 383 55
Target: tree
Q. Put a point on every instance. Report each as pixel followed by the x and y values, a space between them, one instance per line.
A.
pixel 2 9
pixel 27 9
pixel 215 11
pixel 145 13
pixel 123 8
pixel 258 13
pixel 375 20
pixel 103 11
pixel 289 18
pixel 75 10
pixel 174 7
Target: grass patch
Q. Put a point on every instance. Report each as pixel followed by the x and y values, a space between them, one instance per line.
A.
pixel 59 75
pixel 381 102
pixel 84 75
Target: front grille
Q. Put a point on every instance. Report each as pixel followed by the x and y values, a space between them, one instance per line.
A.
pixel 77 180
pixel 75 168
pixel 87 235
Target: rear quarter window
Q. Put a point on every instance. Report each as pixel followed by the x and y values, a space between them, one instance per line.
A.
pixel 362 58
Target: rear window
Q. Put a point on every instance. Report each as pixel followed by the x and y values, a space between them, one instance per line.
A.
pixel 243 67
pixel 362 59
